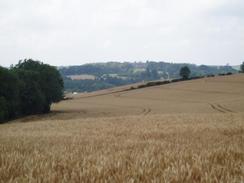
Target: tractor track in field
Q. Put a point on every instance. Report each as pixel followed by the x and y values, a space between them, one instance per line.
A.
pixel 140 110
pixel 224 108
pixel 145 111
pixel 220 108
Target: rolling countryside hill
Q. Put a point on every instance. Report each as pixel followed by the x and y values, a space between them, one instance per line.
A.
pixel 97 76
pixel 189 131
pixel 223 94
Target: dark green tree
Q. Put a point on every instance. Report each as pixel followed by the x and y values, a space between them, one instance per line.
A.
pixel 185 72
pixel 30 87
pixel 48 79
pixel 8 93
pixel 3 109
pixel 242 67
pixel 32 99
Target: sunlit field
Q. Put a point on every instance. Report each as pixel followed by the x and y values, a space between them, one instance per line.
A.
pixel 191 131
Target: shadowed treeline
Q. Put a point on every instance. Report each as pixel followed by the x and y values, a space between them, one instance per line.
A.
pixel 28 88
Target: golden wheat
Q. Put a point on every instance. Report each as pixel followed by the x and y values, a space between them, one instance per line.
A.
pixel 161 148
pixel 132 141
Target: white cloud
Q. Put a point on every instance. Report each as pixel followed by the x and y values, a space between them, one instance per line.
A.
pixel 63 32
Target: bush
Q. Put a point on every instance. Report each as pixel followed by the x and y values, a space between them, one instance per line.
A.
pixel 221 74
pixel 196 77
pixel 225 74
pixel 176 80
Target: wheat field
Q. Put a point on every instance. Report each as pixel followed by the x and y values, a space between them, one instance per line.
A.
pixel 190 131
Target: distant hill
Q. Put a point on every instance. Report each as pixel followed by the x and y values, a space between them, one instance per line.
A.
pixel 236 67
pixel 111 74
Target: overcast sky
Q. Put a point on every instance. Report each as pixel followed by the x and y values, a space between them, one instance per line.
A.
pixel 73 32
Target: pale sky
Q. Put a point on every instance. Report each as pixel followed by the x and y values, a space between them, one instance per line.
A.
pixel 74 32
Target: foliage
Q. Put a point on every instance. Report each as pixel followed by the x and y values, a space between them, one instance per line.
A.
pixel 30 87
pixel 32 100
pixel 128 73
pixel 242 67
pixel 8 93
pixel 3 109
pixel 185 72
pixel 50 82
pixel 93 85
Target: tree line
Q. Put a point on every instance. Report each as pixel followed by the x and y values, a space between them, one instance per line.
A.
pixel 112 74
pixel 30 87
